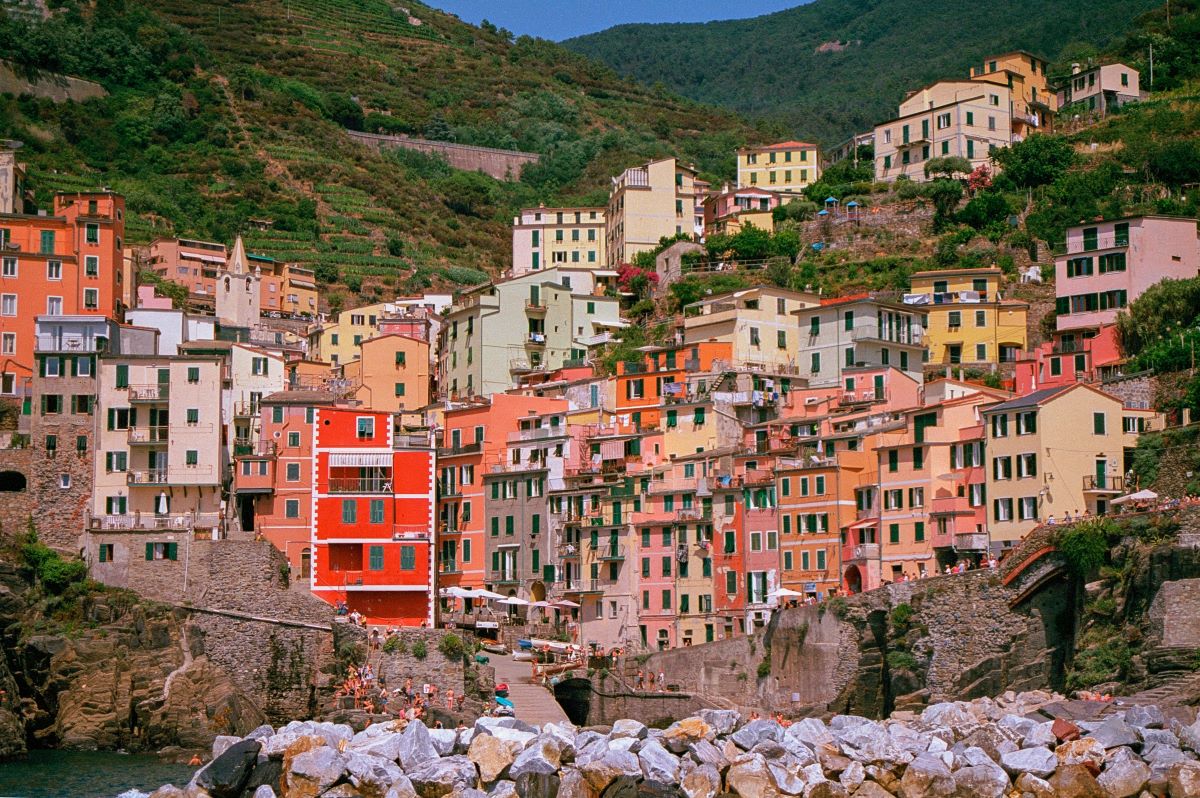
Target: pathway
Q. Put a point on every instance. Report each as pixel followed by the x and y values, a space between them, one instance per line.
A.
pixel 534 703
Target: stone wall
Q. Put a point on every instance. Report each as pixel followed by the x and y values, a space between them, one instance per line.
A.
pixel 48 85
pixel 1173 614
pixel 500 164
pixel 17 507
pixel 61 511
pixel 1134 390
pixel 609 700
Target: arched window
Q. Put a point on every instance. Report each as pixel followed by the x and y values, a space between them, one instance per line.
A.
pixel 12 482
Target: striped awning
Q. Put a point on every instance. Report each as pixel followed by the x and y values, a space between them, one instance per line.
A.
pixel 361 459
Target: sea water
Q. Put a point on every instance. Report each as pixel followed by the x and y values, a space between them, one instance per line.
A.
pixel 87 774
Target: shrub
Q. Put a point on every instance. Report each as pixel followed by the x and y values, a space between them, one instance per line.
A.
pixel 419 650
pixel 395 645
pixel 901 661
pixel 764 668
pixel 452 647
pixel 1084 545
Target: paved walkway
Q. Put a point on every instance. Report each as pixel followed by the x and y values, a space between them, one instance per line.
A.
pixel 534 703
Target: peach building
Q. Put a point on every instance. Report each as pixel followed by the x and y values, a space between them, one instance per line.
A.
pixel 392 372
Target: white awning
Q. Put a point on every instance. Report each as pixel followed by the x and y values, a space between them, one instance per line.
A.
pixel 189 255
pixel 361 459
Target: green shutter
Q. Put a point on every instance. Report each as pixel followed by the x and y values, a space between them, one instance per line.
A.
pixel 172 551
pixel 149 551
pixel 537 561
pixel 495 561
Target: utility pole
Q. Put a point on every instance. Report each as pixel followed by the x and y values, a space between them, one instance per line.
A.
pixel 1152 65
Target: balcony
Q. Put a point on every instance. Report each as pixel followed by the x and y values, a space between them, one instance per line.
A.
pixel 148 436
pixel 632 367
pixel 360 485
pixel 460 448
pixel 951 505
pixel 449 566
pixel 583 586
pixel 149 393
pixel 504 577
pixel 351 579
pixel 971 541
pixel 1104 484
pixel 535 308
pixel 1076 246
pixel 863 552
pixel 245 410
pixel 903 337
pixel 694 514
pixel 859 398
pixel 153 477
pixel 536 340
pixel 70 342
pixel 1068 346
pixel 537 433
pixel 568 550
pixel 145 522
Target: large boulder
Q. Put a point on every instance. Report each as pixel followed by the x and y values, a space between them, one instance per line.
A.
pixel 927 776
pixel 609 764
pixel 699 781
pixel 1075 781
pixel 492 755
pixel 441 776
pixel 722 721
pixel 1114 733
pixel 1039 762
pixel 535 770
pixel 981 781
pixel 749 777
pixel 371 775
pixel 757 731
pixel 679 735
pixel 313 772
pixel 225 776
pixel 415 747
pixel 1124 777
pixel 658 764
pixel 628 728
pixel 1145 717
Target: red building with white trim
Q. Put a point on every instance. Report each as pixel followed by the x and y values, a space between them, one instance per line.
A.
pixel 373 506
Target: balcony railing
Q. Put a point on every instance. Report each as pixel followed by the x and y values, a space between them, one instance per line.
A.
pixel 360 485
pixel 70 342
pixel 903 336
pixel 137 522
pixel 1105 484
pixel 864 551
pixel 583 586
pixel 504 577
pixel 461 448
pixel 535 307
pixel 149 393
pixel 155 477
pixel 1078 246
pixel 449 566
pixel 951 505
pixel 610 552
pixel 633 367
pixel 149 435
pixel 971 541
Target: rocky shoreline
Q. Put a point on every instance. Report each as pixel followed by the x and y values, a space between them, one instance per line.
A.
pixel 1035 744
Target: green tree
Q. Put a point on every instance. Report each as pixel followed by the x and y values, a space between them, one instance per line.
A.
pixel 325 273
pixel 1166 307
pixel 1176 162
pixel 948 166
pixel 1036 161
pixel 468 193
pixel 945 195
pixel 984 209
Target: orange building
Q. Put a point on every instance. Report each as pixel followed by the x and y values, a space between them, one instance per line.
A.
pixel 474 435
pixel 67 263
pixel 392 372
pixel 644 385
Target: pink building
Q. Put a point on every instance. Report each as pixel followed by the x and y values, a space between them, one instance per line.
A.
pixel 723 209
pixel 193 264
pixel 1107 265
pixel 1071 357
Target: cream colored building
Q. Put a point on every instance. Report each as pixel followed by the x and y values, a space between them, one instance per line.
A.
pixel 1056 451
pixel 238 292
pixel 857 331
pixel 1033 102
pixel 547 237
pixel 392 372
pixel 336 340
pixel 646 204
pixel 963 118
pixel 159 460
pixel 786 166
pixel 759 322
pixel 538 321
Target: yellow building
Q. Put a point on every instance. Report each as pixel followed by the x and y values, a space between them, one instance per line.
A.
pixel 786 166
pixel 758 322
pixel 337 341
pixel 646 204
pixel 547 237
pixel 392 372
pixel 968 321
pixel 1057 451
pixel 1033 102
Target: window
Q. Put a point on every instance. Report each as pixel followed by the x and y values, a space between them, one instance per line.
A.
pixel 91 266
pixel 349 511
pixel 162 551
pixel 1026 465
pixel 893 533
pixel 91 233
pixel 1002 468
pixel 954 319
pixel 191 457
pixel 849 353
pixel 193 374
pixel 9 268
pixel 918 458
pixel 292 472
pixel 1027 422
pixel 105 551
pixel 980 352
pixel 366 427
pixel 375 558
pixel 54 270
pixel 815 362
pixel 193 416
pixel 1002 509
pixel 666 599
pixel 893 461
pixel 754 336
pixel 291 508
pixel 47 242
pixel 943 121
pixel 116 462
pixel 1098 424
pixel 848 320
pixel 8 304
pixel 1000 426
pixel 781 339
pixel 1027 508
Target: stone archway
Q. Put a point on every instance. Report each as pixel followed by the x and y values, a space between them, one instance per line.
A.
pixel 853 580
pixel 12 482
pixel 537 592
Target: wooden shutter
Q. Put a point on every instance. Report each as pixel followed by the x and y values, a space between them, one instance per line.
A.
pixel 172 551
pixel 149 551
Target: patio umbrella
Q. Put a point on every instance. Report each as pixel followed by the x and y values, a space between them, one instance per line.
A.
pixel 1140 496
pixel 486 594
pixel 540 604
pixel 565 603
pixel 513 600
pixel 783 592
pixel 163 503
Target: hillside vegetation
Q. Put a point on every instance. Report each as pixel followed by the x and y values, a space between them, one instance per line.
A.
pixel 835 67
pixel 225 111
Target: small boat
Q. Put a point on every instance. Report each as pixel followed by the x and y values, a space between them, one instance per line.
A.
pixel 525 643
pixel 522 656
pixel 495 648
pixel 504 702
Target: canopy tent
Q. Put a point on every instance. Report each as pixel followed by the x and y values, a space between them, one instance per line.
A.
pixel 784 592
pixel 1140 496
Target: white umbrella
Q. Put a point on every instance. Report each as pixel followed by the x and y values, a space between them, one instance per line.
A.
pixel 540 604
pixel 486 594
pixel 163 503
pixel 1140 496
pixel 456 592
pixel 565 603
pixel 513 600
pixel 783 592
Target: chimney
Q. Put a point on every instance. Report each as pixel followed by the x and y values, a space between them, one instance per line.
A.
pixel 1075 68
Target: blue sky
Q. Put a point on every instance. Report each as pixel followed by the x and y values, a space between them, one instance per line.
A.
pixel 562 19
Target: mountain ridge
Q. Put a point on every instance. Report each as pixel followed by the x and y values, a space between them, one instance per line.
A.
pixel 875 52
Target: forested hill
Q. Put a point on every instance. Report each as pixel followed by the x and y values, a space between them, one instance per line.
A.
pixel 227 110
pixel 834 67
